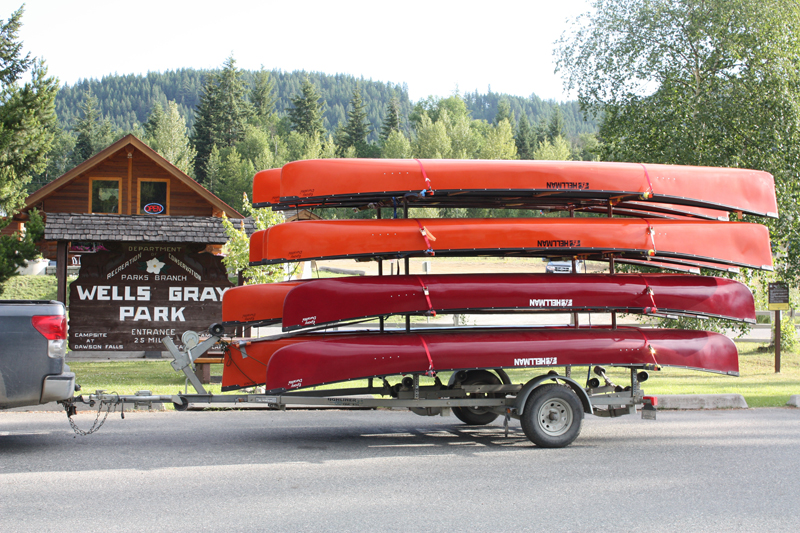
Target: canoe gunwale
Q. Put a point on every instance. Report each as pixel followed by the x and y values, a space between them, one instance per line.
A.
pixel 662 313
pixel 492 197
pixel 592 254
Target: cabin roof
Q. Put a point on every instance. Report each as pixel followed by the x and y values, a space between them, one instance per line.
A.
pixel 130 140
pixel 141 228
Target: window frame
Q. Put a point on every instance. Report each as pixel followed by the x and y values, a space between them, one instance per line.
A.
pixel 139 194
pixel 91 195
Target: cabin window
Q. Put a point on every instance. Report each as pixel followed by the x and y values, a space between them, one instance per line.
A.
pixel 153 197
pixel 105 196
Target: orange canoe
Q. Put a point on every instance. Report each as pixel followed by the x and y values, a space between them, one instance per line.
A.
pixel 723 243
pixel 262 303
pixel 334 182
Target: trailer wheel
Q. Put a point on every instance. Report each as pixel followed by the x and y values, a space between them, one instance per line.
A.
pixel 181 406
pixel 552 416
pixel 477 416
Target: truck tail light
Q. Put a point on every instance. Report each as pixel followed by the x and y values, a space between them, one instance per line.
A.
pixel 54 329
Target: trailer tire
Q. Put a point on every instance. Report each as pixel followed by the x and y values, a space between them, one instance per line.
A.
pixel 477 416
pixel 552 417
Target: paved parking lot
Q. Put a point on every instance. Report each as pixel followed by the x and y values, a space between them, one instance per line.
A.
pixel 733 470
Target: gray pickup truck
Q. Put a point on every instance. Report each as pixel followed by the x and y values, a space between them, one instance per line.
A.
pixel 33 345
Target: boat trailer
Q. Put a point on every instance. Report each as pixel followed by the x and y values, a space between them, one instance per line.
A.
pixel 550 407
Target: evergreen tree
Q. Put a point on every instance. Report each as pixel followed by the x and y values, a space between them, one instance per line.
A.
pixel 94 133
pixel 205 138
pixel 262 97
pixel 504 112
pixel 153 121
pixel 306 115
pixel 222 113
pixel 235 178
pixel 392 121
pixel 555 128
pixel 525 139
pixel 59 160
pixel 27 128
pixel 355 131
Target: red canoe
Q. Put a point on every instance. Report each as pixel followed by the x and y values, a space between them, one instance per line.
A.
pixel 724 243
pixel 729 189
pixel 327 301
pixel 312 360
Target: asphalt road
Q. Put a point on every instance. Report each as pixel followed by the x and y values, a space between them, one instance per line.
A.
pixel 395 471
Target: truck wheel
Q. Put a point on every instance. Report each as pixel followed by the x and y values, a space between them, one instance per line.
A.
pixel 477 416
pixel 552 416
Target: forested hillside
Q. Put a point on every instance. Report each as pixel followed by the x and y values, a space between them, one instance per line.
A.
pixel 127 100
pixel 221 126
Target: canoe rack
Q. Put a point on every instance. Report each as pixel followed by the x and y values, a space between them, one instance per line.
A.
pixel 550 407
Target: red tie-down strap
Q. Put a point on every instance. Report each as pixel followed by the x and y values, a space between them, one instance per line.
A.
pixel 428 236
pixel 431 372
pixel 649 348
pixel 649 291
pixel 426 292
pixel 428 189
pixel 647 194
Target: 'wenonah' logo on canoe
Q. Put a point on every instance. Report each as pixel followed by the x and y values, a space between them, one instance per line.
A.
pixel 580 185
pixel 543 302
pixel 559 243
pixel 536 361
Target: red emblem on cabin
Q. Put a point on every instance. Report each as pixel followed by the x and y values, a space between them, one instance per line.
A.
pixel 154 209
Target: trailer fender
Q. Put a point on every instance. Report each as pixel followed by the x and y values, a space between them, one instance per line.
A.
pixel 525 391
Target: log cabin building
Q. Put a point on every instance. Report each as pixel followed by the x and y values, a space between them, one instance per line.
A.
pixel 125 193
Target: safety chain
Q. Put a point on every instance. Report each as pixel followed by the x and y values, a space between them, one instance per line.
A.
pixel 70 409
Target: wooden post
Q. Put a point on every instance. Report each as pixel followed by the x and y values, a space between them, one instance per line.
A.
pixel 61 271
pixel 130 203
pixel 777 342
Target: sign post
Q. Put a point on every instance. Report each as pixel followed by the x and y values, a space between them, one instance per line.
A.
pixel 778 302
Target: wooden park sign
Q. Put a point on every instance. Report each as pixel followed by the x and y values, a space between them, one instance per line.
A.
pixel 129 297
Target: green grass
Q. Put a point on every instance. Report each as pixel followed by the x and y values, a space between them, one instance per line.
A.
pixel 758 382
pixel 29 288
pixel 127 377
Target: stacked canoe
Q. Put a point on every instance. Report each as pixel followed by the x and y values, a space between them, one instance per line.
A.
pixel 668 217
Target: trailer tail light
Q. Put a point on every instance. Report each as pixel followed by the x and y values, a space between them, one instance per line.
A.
pixel 649 407
pixel 54 329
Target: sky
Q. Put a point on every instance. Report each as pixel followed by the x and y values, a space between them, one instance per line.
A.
pixel 436 47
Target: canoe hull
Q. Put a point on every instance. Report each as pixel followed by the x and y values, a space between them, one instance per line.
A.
pixel 723 243
pixel 729 189
pixel 317 362
pixel 327 301
pixel 303 361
